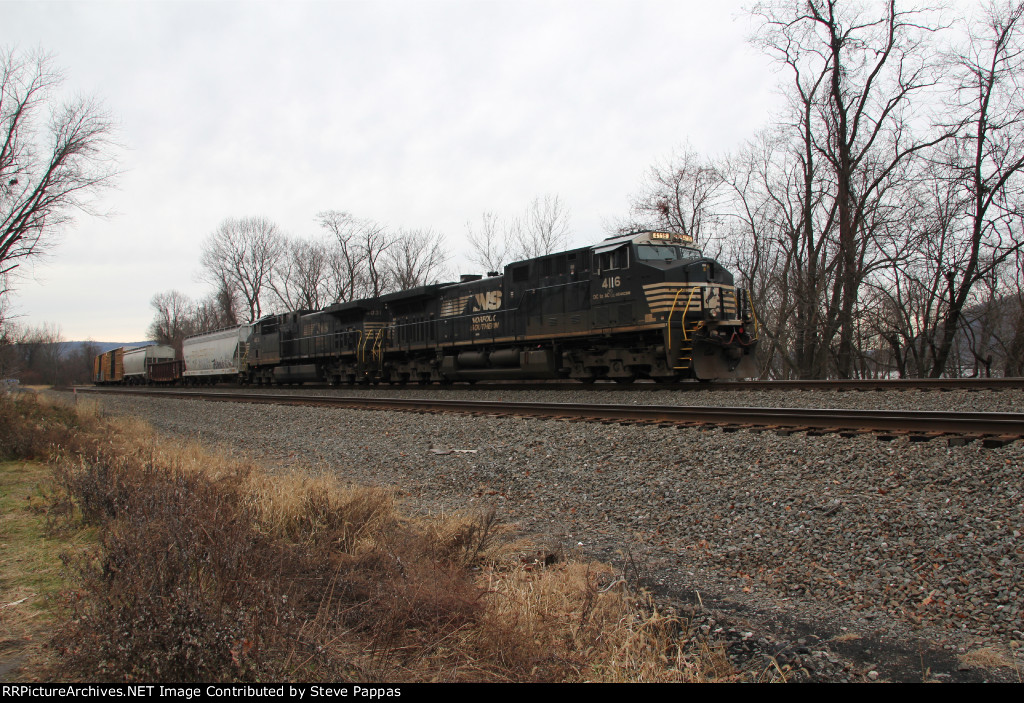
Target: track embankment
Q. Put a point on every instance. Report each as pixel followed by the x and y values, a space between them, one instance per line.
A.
pixel 836 558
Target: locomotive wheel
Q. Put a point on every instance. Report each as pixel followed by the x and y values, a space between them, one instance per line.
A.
pixel 624 380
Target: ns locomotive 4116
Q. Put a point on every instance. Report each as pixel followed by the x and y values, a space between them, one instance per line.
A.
pixel 641 305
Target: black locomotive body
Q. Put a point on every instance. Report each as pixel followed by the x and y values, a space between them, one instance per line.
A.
pixel 642 305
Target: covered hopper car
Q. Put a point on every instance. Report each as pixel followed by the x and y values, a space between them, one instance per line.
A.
pixel 216 356
pixel 138 362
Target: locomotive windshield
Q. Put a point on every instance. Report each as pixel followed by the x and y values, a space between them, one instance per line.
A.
pixel 664 252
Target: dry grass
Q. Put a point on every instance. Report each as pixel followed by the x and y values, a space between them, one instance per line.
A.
pixel 577 622
pixel 307 509
pixel 210 569
pixel 32 427
pixel 986 658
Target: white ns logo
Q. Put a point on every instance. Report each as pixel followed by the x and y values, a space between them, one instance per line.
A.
pixel 491 300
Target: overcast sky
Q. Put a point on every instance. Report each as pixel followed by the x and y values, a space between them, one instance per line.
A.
pixel 417 114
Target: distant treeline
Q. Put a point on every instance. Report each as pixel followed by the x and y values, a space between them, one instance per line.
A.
pixel 39 356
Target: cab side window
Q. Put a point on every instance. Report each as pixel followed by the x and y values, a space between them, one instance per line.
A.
pixel 616 259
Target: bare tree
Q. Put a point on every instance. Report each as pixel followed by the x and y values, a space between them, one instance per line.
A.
pixel 177 316
pixel 544 228
pixel 1010 338
pixel 173 320
pixel 986 160
pixel 371 244
pixel 50 164
pixel 209 314
pixel 8 338
pixel 683 195
pixel 776 235
pixel 865 71
pixel 225 304
pixel 302 278
pixel 490 245
pixel 347 277
pixel 241 255
pixel 38 353
pixel 418 257
pixel 78 363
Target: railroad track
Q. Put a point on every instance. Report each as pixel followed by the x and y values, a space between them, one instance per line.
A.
pixel 957 428
pixel 881 384
pixel 841 385
pixel 860 384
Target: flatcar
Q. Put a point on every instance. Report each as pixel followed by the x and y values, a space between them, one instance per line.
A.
pixel 641 305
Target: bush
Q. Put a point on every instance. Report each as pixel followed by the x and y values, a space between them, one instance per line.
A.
pixel 210 569
pixel 228 574
pixel 181 588
pixel 32 427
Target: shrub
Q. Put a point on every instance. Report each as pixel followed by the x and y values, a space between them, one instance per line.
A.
pixel 211 569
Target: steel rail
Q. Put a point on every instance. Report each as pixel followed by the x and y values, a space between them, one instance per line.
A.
pixel 860 385
pixel 830 419
pixel 876 384
pixel 841 385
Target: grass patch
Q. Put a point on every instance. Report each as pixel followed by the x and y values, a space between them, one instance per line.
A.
pixel 206 568
pixel 986 658
pixel 32 577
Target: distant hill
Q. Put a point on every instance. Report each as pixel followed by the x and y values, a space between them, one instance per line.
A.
pixel 60 363
pixel 100 347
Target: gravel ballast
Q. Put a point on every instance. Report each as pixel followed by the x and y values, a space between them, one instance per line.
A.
pixel 833 558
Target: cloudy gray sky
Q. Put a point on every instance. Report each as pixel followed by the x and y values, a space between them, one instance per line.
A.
pixel 413 113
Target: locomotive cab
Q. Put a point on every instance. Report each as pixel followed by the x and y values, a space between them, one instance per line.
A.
pixel 660 281
pixel 710 328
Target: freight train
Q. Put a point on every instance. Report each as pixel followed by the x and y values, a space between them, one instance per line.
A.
pixel 127 366
pixel 640 305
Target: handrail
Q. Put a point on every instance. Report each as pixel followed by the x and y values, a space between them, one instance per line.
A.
pixel 753 315
pixel 686 309
pixel 378 343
